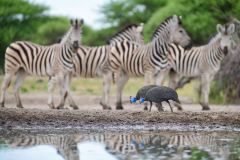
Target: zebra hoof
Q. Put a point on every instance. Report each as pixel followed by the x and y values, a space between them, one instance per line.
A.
pixel 179 108
pixel 2 104
pixel 19 106
pixel 119 107
pixel 205 107
pixel 51 106
pixel 60 107
pixel 105 107
pixel 145 108
pixel 75 107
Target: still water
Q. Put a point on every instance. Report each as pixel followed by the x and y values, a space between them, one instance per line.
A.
pixel 118 146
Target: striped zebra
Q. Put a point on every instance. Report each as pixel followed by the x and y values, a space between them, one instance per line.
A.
pixel 65 145
pixel 91 62
pixel 202 62
pixel 24 58
pixel 129 59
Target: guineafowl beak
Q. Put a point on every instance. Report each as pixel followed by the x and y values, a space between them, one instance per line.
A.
pixel 141 100
pixel 133 99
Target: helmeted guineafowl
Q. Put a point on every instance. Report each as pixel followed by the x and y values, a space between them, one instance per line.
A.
pixel 161 94
pixel 140 96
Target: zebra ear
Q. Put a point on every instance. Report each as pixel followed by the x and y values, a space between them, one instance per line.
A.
pixel 175 18
pixel 81 21
pixel 140 27
pixel 231 29
pixel 220 28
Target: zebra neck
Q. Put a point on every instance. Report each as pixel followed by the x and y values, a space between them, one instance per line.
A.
pixel 66 57
pixel 215 54
pixel 157 50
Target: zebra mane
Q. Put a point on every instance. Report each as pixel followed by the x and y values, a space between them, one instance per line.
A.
pixel 214 38
pixel 162 25
pixel 65 38
pixel 126 28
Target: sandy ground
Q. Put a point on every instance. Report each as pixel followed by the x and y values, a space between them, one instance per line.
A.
pixel 90 116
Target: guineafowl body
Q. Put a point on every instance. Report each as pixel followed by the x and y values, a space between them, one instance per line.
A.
pixel 142 91
pixel 161 94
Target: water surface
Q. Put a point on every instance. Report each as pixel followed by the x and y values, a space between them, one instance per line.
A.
pixel 121 145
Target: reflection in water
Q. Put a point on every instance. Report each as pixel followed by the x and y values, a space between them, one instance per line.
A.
pixel 112 146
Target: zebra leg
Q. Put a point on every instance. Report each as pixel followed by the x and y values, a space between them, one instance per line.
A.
pixel 122 80
pixel 63 84
pixel 173 79
pixel 148 77
pixel 145 106
pixel 20 75
pixel 5 85
pixel 178 105
pixel 51 85
pixel 70 99
pixel 205 87
pixel 159 107
pixel 106 89
pixel 160 76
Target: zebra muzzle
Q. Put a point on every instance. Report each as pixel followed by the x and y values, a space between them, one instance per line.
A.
pixel 225 50
pixel 75 45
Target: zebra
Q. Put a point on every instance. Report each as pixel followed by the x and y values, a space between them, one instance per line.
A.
pixel 91 62
pixel 65 145
pixel 24 58
pixel 129 59
pixel 202 62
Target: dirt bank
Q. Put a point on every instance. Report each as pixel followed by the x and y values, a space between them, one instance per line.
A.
pixel 28 119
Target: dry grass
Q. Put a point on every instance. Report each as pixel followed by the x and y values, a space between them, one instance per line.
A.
pixel 89 86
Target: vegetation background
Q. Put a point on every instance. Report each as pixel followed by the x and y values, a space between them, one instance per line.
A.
pixel 24 20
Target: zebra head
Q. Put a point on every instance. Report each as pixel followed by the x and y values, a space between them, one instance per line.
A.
pixel 171 31
pixel 225 33
pixel 178 34
pixel 74 34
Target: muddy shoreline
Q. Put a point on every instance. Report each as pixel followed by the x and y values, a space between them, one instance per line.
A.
pixel 37 120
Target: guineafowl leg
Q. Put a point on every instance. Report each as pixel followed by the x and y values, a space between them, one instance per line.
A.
pixel 170 106
pixel 150 108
